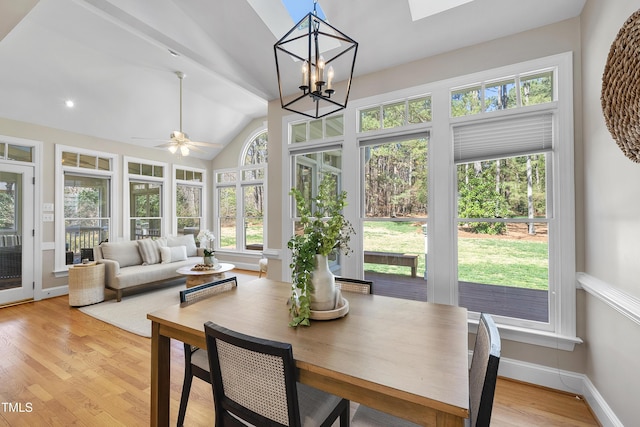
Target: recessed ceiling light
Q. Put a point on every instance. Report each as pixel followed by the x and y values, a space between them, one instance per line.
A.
pixel 69 103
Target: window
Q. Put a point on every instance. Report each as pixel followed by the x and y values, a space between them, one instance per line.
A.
pixel 312 130
pixel 396 114
pixel 145 202
pixel 395 210
pixel 85 200
pixel 510 92
pixel 146 187
pixel 188 200
pixel 86 213
pixel 240 198
pixel 18 153
pixel 486 215
pixel 310 168
pixel 504 217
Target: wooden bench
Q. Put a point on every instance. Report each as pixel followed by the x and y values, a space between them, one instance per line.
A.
pixel 393 258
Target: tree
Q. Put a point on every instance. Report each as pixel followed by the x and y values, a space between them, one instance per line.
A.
pixel 7 211
pixel 478 198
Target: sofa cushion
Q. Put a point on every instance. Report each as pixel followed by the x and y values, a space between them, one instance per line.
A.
pixel 126 253
pixel 149 251
pixel 186 240
pixel 173 254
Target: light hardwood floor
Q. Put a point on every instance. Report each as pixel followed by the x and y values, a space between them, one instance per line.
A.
pixel 60 367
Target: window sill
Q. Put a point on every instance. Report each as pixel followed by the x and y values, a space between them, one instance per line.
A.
pixel 531 336
pixel 63 272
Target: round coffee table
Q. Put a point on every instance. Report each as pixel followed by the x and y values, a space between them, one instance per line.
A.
pixel 195 278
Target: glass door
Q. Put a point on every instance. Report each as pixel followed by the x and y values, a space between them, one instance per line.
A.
pixel 16 233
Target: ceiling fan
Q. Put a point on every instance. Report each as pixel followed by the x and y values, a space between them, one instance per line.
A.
pixel 179 140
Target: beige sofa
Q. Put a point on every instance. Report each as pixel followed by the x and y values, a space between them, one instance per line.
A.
pixel 140 262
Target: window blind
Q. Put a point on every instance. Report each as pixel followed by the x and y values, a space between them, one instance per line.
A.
pixel 505 137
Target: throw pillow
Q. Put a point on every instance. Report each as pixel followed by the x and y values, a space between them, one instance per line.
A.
pixel 173 254
pixel 161 241
pixel 125 252
pixel 186 240
pixel 149 251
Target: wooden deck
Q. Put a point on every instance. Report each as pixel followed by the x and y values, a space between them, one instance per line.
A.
pixel 529 304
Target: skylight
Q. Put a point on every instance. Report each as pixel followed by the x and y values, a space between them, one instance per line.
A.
pixel 280 16
pixel 422 9
pixel 299 8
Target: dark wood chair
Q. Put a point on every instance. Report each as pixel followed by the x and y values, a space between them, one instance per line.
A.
pixel 196 361
pixel 482 383
pixel 354 285
pixel 254 381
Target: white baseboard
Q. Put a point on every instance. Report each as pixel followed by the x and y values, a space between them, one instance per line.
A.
pixel 50 292
pixel 570 382
pixel 249 266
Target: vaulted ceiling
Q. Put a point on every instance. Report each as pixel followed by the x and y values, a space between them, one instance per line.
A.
pixel 114 58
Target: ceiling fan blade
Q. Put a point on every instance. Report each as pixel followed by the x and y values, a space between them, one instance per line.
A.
pixel 195 148
pixel 167 144
pixel 206 144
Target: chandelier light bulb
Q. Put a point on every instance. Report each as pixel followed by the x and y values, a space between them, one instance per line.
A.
pixel 305 73
pixel 330 75
pixel 321 69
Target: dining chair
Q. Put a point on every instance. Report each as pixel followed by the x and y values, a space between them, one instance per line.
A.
pixel 196 361
pixel 254 381
pixel 482 383
pixel 354 285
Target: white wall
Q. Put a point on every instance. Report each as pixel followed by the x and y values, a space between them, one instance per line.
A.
pixel 611 222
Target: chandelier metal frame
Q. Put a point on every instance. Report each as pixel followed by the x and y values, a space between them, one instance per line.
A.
pixel 317 73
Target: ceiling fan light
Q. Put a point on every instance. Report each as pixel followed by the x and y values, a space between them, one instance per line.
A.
pixel 173 148
pixel 184 150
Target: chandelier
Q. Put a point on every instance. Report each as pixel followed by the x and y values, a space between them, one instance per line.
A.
pixel 320 52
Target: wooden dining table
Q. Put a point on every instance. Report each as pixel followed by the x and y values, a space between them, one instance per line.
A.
pixel 406 358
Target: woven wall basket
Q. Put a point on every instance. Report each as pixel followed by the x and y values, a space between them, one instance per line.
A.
pixel 620 95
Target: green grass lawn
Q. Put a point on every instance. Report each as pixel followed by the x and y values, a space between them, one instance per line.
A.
pixel 481 259
pixel 503 262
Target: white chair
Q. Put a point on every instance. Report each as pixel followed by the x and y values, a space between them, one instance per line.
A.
pixel 262 265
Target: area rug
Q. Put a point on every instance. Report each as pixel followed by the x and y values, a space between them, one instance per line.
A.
pixel 130 314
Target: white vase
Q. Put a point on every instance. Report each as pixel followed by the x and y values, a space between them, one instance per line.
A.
pixel 324 286
pixel 209 260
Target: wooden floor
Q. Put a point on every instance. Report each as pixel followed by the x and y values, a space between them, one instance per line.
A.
pixel 60 367
pixel 530 304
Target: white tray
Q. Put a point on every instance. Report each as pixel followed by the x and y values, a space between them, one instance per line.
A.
pixel 341 311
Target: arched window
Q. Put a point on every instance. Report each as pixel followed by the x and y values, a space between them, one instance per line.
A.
pixel 240 198
pixel 255 150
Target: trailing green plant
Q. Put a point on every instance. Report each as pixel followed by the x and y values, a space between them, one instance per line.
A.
pixel 324 229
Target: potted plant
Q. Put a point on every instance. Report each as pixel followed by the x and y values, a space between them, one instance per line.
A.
pixel 323 229
pixel 206 239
